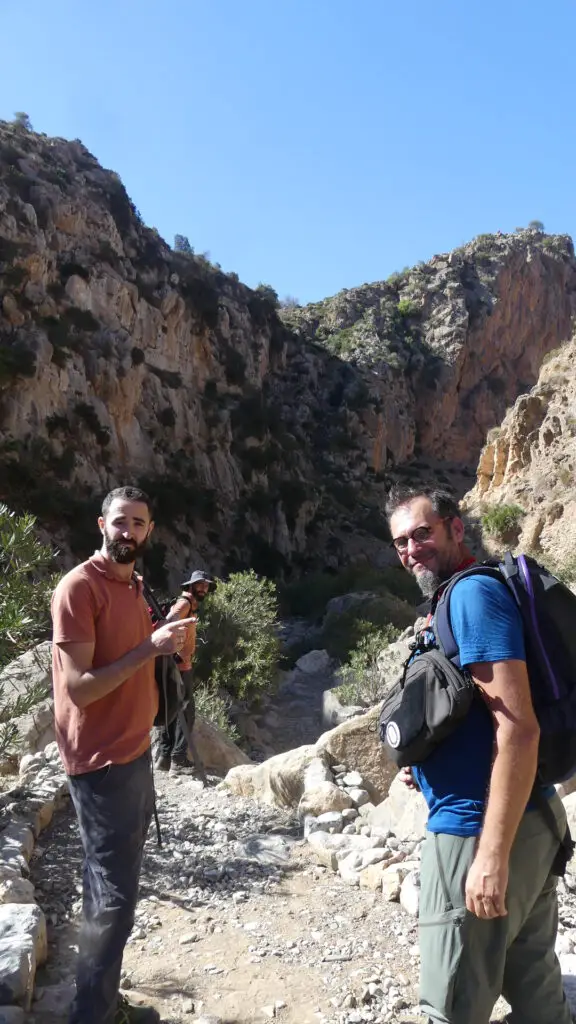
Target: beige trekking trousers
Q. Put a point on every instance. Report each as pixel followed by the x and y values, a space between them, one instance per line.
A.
pixel 466 963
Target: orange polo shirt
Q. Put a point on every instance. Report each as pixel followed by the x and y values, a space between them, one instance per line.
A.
pixel 90 606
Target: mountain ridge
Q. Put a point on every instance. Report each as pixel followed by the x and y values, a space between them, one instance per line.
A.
pixel 264 442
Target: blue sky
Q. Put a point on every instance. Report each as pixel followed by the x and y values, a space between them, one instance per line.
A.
pixel 311 144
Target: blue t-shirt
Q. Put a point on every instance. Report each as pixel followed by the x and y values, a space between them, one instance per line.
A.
pixel 454 780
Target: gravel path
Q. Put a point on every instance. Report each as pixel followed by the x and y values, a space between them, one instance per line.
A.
pixel 236 923
pixel 234 920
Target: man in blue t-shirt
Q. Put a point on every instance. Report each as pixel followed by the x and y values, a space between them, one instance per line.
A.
pixel 488 906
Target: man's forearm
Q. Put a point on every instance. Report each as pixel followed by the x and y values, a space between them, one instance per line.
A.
pixel 96 683
pixel 511 782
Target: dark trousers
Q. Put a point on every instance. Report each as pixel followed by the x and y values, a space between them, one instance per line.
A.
pixel 114 806
pixel 171 740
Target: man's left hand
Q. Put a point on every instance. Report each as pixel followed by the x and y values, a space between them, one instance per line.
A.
pixel 486 886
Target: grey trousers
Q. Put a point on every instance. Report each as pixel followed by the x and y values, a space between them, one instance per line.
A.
pixel 466 963
pixel 114 806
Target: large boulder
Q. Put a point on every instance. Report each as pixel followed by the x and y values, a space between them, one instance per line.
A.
pixel 323 798
pixel 23 946
pixel 391 661
pixel 216 749
pixel 315 663
pixel 33 731
pixel 32 670
pixel 403 812
pixel 357 745
pixel 279 781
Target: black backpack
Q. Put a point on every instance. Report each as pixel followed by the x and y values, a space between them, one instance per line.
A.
pixel 429 702
pixel 171 689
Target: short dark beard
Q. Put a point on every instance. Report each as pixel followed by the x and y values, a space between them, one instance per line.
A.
pixel 124 554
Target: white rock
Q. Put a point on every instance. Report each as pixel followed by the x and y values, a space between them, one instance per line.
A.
pixel 358 796
pixel 410 894
pixel 349 813
pixel 392 878
pixel 316 773
pixel 323 798
pixel 315 663
pixel 352 779
pixel 348 869
pixel 326 847
pixel 16 890
pixel 23 946
pixel 331 821
pixel 403 812
pixel 375 856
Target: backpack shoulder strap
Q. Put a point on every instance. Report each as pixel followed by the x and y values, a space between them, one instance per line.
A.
pixel 152 601
pixel 441 608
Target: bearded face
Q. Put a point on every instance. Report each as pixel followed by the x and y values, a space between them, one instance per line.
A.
pixel 122 550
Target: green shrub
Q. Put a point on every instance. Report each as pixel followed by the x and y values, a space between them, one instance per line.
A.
pixel 362 683
pixel 407 308
pixel 266 291
pixel 26 586
pixel 343 342
pixel 238 648
pixel 182 244
pixel 215 709
pixel 343 632
pixel 501 520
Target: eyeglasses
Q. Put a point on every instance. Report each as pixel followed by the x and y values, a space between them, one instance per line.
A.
pixel 420 535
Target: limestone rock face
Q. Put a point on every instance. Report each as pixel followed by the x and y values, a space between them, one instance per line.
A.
pixel 263 439
pixel 530 462
pixel 279 781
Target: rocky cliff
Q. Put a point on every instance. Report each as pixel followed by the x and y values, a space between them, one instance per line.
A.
pixel 528 469
pixel 266 441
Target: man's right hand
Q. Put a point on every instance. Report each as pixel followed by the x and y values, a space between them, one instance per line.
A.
pixel 406 776
pixel 170 637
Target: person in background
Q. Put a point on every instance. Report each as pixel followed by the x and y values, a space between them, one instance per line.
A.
pixel 172 750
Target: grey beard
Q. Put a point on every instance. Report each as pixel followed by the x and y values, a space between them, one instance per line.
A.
pixel 429 582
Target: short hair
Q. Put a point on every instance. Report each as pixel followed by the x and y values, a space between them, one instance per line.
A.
pixel 443 503
pixel 127 494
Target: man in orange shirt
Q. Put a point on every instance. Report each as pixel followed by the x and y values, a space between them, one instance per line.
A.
pixel 105 700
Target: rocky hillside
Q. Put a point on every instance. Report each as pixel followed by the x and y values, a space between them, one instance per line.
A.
pixel 266 441
pixel 526 486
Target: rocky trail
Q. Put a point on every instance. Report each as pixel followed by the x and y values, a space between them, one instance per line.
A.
pixel 295 714
pixel 235 923
pixel 242 917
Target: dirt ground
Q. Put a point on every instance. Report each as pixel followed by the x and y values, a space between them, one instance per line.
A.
pixel 291 952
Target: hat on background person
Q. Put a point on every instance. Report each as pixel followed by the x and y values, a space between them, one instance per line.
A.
pixel 199 576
